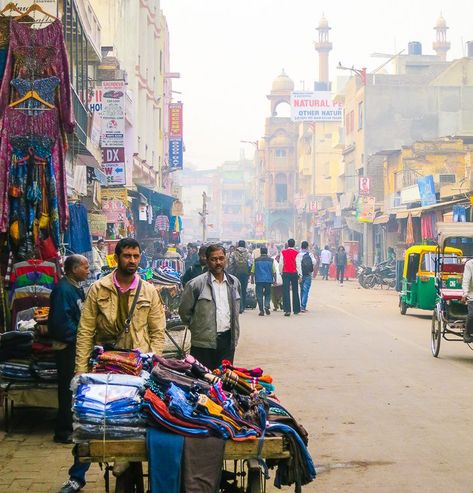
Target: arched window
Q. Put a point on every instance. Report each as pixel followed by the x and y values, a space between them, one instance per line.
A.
pixel 281 188
pixel 282 110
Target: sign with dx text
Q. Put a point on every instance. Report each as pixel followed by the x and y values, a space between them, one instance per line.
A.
pixel 315 107
pixel 113 165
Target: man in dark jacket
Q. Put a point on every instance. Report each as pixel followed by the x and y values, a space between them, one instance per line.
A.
pixel 67 298
pixel 196 269
pixel 210 306
pixel 263 271
pixel 239 265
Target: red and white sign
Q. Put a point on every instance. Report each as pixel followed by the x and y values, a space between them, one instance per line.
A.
pixel 365 185
pixel 113 113
pixel 113 165
pixel 315 107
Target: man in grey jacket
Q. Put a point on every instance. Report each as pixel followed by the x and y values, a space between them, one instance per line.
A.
pixel 210 306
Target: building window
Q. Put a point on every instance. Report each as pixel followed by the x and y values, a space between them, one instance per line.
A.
pixel 446 178
pixel 280 152
pixel 360 115
pixel 281 188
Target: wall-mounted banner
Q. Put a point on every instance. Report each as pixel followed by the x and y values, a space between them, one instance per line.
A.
pixel 315 107
pixel 176 157
pixel 113 113
pixel 426 190
pixel 113 165
pixel 175 120
pixel 365 210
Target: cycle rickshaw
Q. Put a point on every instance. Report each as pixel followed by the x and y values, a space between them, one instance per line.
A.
pixel 450 313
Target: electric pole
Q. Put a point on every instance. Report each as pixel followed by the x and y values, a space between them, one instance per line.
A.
pixel 204 214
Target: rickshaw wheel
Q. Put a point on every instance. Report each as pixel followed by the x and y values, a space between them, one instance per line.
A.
pixel 436 335
pixel 403 307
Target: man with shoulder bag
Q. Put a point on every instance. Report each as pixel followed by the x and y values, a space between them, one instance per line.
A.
pixel 120 311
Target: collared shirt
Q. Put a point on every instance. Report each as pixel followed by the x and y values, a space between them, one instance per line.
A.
pixel 325 256
pixel 222 305
pixel 133 285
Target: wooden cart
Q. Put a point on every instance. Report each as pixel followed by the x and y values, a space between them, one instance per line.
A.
pixel 134 451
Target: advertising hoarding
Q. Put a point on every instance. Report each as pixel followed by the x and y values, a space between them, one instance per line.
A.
pixel 315 107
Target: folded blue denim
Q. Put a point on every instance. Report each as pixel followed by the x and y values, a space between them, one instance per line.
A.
pixel 107 379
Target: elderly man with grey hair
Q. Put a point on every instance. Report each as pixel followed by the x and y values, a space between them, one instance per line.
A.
pixel 66 302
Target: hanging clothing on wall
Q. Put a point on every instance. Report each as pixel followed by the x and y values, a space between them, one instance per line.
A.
pixel 77 236
pixel 426 227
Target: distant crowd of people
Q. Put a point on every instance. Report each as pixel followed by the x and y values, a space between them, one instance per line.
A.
pixel 282 275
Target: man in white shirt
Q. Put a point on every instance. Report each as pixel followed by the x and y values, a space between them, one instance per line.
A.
pixel 305 263
pixel 210 306
pixel 467 287
pixel 325 261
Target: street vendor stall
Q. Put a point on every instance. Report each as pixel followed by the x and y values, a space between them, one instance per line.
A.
pixel 221 430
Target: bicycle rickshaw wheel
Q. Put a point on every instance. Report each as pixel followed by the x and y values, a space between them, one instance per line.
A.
pixel 436 334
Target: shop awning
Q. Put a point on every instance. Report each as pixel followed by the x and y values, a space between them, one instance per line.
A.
pixel 157 199
pixel 383 219
pixel 417 211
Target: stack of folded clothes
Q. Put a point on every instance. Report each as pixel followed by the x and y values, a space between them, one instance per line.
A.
pixel 107 406
pixel 15 355
pixel 118 362
pixel 254 378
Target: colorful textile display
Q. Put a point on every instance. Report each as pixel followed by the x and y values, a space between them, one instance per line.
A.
pixel 118 362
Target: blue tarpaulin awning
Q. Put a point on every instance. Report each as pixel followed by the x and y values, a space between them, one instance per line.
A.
pixel 157 199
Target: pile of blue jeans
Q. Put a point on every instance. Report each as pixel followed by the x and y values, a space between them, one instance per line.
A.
pixel 107 406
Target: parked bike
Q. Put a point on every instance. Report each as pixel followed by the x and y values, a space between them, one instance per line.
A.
pixel 382 275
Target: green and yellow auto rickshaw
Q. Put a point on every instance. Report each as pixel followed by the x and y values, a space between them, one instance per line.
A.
pixel 418 278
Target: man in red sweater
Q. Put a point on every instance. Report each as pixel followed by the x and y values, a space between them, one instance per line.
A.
pixel 290 279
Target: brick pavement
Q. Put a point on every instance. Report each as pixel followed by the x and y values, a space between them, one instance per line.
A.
pixel 31 461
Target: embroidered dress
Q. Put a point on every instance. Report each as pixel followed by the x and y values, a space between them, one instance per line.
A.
pixel 39 53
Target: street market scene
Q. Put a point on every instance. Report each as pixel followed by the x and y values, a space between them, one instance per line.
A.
pixel 236 246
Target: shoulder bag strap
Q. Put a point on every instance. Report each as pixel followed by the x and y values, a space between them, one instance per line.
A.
pixel 133 306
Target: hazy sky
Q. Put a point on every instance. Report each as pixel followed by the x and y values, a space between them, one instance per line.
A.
pixel 229 51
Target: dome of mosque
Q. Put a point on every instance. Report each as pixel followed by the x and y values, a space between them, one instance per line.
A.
pixel 282 83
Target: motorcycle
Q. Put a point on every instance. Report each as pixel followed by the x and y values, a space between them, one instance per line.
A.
pixel 383 275
pixel 362 272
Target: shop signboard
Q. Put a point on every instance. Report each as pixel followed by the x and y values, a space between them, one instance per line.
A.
pixel 97 224
pixel 365 211
pixel 113 165
pixel 426 190
pixel 176 146
pixel 315 107
pixel 120 194
pixel 175 154
pixel 365 185
pixel 113 113
pixel 95 100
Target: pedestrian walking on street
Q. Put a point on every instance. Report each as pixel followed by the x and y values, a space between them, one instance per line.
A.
pixel 66 301
pixel 290 279
pixel 306 263
pixel 197 269
pixel 210 306
pixel 325 261
pixel 340 263
pixel 467 287
pixel 120 312
pixel 276 288
pixel 239 265
pixel 263 273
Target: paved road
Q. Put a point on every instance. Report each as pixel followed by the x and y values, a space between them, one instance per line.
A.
pixel 383 414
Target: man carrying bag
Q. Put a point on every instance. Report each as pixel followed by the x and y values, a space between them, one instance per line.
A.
pixel 122 312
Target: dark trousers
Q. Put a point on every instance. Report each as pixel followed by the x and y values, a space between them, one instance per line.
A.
pixel 243 278
pixel 469 320
pixel 324 270
pixel 65 362
pixel 263 290
pixel 78 469
pixel 340 273
pixel 212 358
pixel 290 281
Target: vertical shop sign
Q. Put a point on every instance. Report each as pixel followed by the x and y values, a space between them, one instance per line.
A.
pixel 427 190
pixel 113 113
pixel 175 136
pixel 365 211
pixel 113 165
